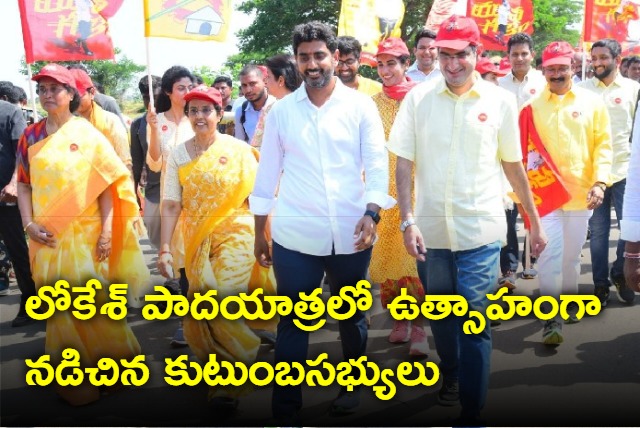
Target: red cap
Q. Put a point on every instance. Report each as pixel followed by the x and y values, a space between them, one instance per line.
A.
pixel 393 46
pixel 557 53
pixel 457 32
pixel 56 72
pixel 83 81
pixel 484 65
pixel 505 66
pixel 205 93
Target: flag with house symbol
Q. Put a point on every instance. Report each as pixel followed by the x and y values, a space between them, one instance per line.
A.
pixel 188 19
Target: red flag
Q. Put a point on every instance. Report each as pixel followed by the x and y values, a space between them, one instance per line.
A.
pixel 67 30
pixel 549 193
pixel 490 15
pixel 615 19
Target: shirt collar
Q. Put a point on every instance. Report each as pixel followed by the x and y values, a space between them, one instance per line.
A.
pixel 338 90
pixel 549 96
pixel 480 87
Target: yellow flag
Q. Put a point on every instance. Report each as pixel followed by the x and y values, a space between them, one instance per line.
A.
pixel 370 21
pixel 187 19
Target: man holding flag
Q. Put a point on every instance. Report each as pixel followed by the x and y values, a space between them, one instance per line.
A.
pixel 568 130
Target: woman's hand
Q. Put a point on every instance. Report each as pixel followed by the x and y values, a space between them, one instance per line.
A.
pixel 40 235
pixel 103 247
pixel 165 264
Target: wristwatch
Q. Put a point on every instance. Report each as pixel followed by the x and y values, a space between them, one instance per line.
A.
pixel 405 224
pixel 601 185
pixel 374 215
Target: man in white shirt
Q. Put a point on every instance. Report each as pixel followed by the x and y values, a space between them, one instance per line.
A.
pixel 630 223
pixel 319 143
pixel 525 82
pixel 621 97
pixel 256 98
pixel 426 66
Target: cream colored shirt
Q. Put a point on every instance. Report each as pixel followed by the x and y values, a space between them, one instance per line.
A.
pixel 620 98
pixel 533 84
pixel 170 136
pixel 457 144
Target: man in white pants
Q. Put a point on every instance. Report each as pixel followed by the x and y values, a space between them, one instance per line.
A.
pixel 573 124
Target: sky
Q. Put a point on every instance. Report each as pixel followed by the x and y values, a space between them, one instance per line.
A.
pixel 127 32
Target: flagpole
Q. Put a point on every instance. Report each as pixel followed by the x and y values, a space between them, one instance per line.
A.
pixel 152 106
pixel 31 94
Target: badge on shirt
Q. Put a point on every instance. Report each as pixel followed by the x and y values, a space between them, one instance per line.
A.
pixel 482 117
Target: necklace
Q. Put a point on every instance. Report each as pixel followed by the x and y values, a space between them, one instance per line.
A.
pixel 198 150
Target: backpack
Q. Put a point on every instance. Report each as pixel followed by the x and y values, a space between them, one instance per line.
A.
pixel 243 119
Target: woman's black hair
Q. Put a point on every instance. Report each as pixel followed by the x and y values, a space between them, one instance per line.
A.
pixel 171 76
pixel 285 66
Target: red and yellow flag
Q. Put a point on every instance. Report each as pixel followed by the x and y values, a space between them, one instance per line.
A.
pixel 549 193
pixel 187 19
pixel 67 30
pixel 370 21
pixel 516 15
pixel 614 19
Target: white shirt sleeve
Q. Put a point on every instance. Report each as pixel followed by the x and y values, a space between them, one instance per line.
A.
pixel 630 223
pixel 374 157
pixel 262 199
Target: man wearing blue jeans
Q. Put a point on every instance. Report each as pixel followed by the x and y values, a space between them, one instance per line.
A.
pixel 319 143
pixel 621 97
pixel 472 136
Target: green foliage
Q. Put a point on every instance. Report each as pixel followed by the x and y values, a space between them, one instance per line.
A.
pixel 115 76
pixel 552 21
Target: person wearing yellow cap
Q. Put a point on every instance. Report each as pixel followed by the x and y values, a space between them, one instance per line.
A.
pixel 459 133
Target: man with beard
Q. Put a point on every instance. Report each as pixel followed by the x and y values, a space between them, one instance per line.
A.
pixel 425 67
pixel 319 144
pixel 256 98
pixel 460 132
pixel 620 96
pixel 573 125
pixel 349 64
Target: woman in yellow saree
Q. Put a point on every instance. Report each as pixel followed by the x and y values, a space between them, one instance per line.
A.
pixel 208 180
pixel 78 207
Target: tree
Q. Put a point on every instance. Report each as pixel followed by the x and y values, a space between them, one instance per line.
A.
pixel 553 19
pixel 270 32
pixel 115 76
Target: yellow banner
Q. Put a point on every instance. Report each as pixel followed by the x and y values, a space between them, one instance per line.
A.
pixel 187 19
pixel 370 21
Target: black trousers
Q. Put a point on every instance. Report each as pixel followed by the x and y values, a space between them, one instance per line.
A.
pixel 13 236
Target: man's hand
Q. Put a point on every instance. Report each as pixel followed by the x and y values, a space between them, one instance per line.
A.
pixel 414 244
pixel 595 197
pixel 538 240
pixel 262 251
pixel 632 274
pixel 9 193
pixel 364 233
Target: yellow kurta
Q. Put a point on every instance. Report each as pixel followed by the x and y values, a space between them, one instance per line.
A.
pixel 219 238
pixel 391 265
pixel 68 171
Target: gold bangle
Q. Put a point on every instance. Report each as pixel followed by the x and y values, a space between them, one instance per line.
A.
pixel 27 226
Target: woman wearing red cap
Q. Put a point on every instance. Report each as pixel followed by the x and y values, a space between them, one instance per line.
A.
pixel 390 266
pixel 78 206
pixel 208 180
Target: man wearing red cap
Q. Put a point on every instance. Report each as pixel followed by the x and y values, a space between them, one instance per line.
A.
pixel 573 125
pixel 620 96
pixel 107 123
pixel 472 136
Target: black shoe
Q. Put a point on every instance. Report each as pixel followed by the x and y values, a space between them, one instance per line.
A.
pixel 625 294
pixel 449 394
pixel 21 320
pixel 347 402
pixel 602 293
